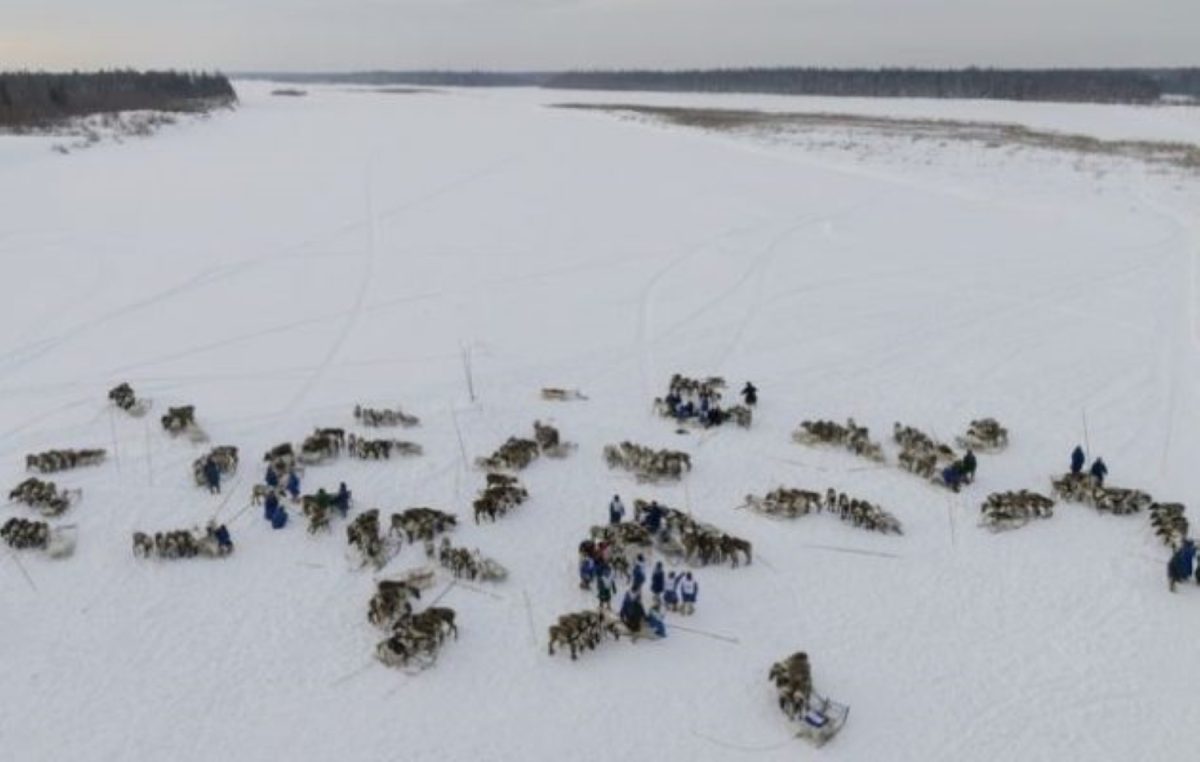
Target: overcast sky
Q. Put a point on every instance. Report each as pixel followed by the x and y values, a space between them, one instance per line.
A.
pixel 555 34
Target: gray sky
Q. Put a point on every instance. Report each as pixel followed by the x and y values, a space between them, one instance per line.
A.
pixel 557 34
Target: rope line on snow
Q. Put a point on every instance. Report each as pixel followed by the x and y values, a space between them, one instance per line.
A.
pixel 737 746
pixel 442 594
pixel 705 633
pixel 529 617
pixel 23 573
pixel 855 551
pixel 351 675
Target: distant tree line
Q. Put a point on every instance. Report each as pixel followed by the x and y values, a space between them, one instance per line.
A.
pixel 1177 81
pixel 1077 85
pixel 431 78
pixel 36 98
pixel 1071 85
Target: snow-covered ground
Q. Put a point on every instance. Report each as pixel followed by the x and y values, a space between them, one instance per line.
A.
pixel 275 265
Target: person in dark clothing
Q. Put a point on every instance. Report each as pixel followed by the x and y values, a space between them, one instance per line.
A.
pixel 224 541
pixel 212 476
pixel 952 476
pixel 1098 471
pixel 652 517
pixel 1179 568
pixel 293 485
pixel 272 478
pixel 658 582
pixel 280 518
pixel 968 466
pixel 605 587
pixel 750 394
pixel 342 500
pixel 1077 459
pixel 323 499
pixel 270 506
pixel 633 613
pixel 672 400
pixel 638 576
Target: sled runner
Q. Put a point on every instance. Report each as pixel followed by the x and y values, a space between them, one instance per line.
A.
pixel 821 720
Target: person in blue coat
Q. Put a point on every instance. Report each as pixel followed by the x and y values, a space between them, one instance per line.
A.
pixel 639 574
pixel 654 620
pixel 952 475
pixel 686 410
pixel 1077 459
pixel 658 582
pixel 293 485
pixel 1098 471
pixel 1179 568
pixel 341 501
pixel 587 570
pixel 272 478
pixel 270 506
pixel 224 541
pixel 279 519
pixel 212 475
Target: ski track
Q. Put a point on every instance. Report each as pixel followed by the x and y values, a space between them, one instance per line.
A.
pixel 578 249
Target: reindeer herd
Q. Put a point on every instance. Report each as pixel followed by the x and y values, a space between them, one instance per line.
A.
pixel 647 464
pixel 415 637
pixel 785 502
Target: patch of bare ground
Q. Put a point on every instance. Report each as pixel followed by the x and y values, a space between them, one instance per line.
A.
pixel 991 134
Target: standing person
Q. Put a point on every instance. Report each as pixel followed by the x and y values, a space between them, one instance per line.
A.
pixel 968 466
pixel 212 476
pixel 653 517
pixel 605 589
pixel 587 570
pixel 342 500
pixel 616 510
pixel 750 394
pixel 279 519
pixel 633 613
pixel 323 499
pixel 272 478
pixel 1077 459
pixel 270 506
pixel 689 590
pixel 639 574
pixel 1098 471
pixel 1180 566
pixel 952 475
pixel 224 541
pixel 293 485
pixel 658 583
pixel 671 593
